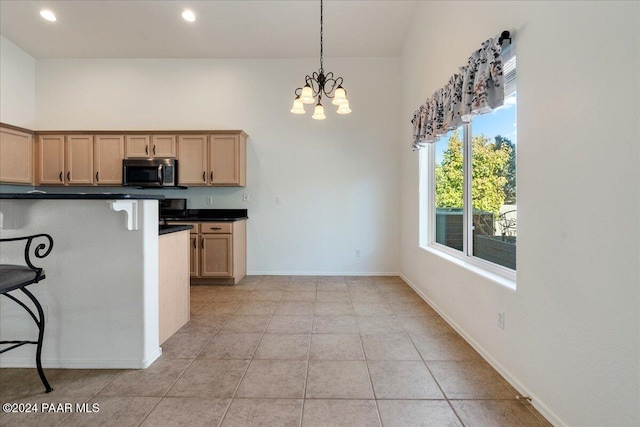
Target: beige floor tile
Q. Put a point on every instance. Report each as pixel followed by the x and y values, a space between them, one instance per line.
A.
pixel 444 347
pixel 359 279
pixel 263 412
pixel 210 378
pixel 302 286
pixel 333 296
pixel 328 379
pixel 336 347
pixel 411 308
pixel 114 411
pixel 366 295
pixel 232 346
pixel 469 380
pixel 372 309
pixel 496 413
pixel 272 286
pixel 417 413
pixel 334 309
pixel 335 325
pixel 274 379
pixel 331 279
pixel 332 286
pixel 290 325
pixel 340 413
pixel 284 346
pixel 402 380
pixel 261 294
pixel 257 308
pixel 187 411
pixel 379 325
pixel 206 321
pixel 150 382
pixel 389 347
pixel 276 279
pixel 185 345
pixel 302 296
pixel 424 325
pixel 80 382
pixel 245 325
pixel 231 297
pixel 39 418
pixel 294 308
pixel 218 308
pixel 21 382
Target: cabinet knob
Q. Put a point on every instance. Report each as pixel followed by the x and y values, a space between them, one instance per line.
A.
pixel 69 176
pixel 97 177
pixel 203 243
pixel 154 150
pixel 216 228
pixel 195 244
pixel 60 176
pixel 211 176
pixel 146 150
pixel 204 176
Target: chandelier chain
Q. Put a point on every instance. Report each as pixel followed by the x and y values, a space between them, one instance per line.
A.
pixel 321 37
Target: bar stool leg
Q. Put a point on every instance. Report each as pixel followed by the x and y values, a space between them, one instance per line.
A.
pixel 40 323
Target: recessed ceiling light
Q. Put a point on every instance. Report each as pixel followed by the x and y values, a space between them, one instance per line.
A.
pixel 188 15
pixel 48 15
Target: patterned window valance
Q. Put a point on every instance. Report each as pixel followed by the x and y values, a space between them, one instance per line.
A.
pixel 477 88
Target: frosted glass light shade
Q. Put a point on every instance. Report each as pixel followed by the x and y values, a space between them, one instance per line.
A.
pixel 48 15
pixel 344 108
pixel 307 95
pixel 298 107
pixel 318 113
pixel 340 97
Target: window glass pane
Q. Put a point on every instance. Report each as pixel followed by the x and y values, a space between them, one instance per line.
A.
pixel 449 185
pixel 493 148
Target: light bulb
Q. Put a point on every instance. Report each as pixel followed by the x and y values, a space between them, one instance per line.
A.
pixel 307 95
pixel 48 15
pixel 318 113
pixel 298 107
pixel 344 108
pixel 188 15
pixel 340 96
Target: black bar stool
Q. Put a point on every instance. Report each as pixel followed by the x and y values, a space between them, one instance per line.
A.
pixel 18 277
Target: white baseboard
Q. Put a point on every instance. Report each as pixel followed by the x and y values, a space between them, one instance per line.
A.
pixel 7 362
pixel 539 405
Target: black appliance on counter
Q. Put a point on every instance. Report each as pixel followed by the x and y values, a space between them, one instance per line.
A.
pixel 150 173
pixel 173 209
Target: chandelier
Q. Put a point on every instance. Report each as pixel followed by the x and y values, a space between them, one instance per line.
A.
pixel 318 85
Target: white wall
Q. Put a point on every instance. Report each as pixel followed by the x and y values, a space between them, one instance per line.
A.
pixel 17 86
pixel 337 179
pixel 572 328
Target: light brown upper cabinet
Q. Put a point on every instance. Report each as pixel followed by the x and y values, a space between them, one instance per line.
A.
pixel 213 160
pixel 65 160
pixel 108 151
pixel 149 146
pixel 16 157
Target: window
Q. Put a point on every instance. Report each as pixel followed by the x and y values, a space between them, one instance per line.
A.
pixel 468 202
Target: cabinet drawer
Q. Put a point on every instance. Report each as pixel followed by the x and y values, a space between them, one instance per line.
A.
pixel 216 227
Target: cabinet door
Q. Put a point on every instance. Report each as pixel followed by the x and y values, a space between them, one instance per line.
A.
pixel 194 248
pixel 137 146
pixel 163 146
pixel 79 159
pixel 51 170
pixel 108 154
pixel 217 255
pixel 192 160
pixel 224 160
pixel 16 157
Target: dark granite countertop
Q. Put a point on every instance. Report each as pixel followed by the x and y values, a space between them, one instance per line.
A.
pixel 203 215
pixel 80 196
pixel 166 229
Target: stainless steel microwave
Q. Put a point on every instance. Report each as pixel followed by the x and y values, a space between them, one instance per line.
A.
pixel 150 172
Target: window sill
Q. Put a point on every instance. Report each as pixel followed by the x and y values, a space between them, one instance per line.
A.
pixel 506 278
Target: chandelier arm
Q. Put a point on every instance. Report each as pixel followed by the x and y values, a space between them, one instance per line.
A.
pixel 313 82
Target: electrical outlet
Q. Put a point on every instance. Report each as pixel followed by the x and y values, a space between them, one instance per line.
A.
pixel 358 253
pixel 245 197
pixel 501 319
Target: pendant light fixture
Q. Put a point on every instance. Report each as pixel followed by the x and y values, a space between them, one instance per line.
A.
pixel 318 85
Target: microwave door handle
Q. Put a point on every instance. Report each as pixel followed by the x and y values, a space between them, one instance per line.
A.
pixel 160 177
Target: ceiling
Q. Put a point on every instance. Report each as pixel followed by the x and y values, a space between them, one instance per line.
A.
pixel 223 29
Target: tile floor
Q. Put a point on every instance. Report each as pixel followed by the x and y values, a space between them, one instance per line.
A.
pixel 291 351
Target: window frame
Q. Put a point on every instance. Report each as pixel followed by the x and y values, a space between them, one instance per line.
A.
pixel 427 224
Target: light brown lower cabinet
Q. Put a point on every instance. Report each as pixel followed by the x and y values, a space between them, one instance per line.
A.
pixel 218 252
pixel 173 291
